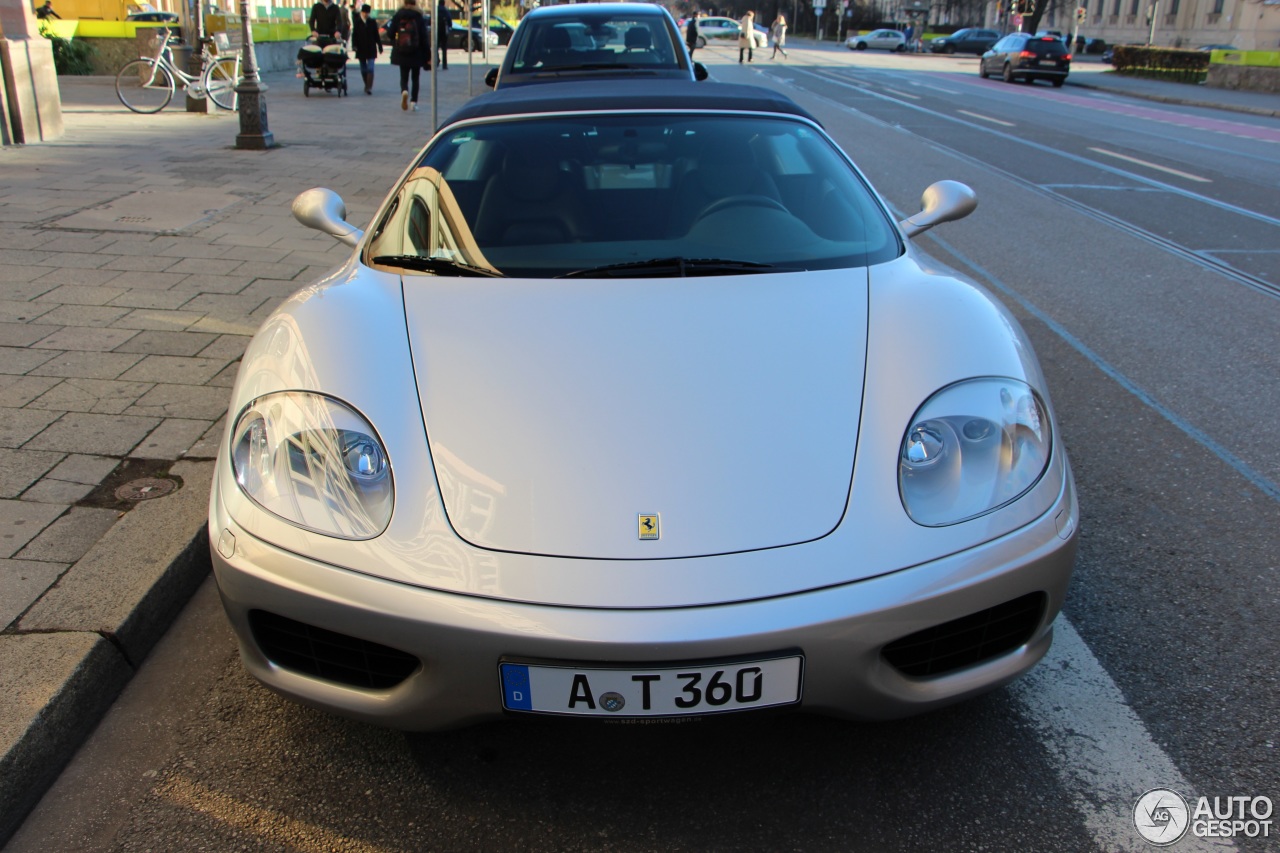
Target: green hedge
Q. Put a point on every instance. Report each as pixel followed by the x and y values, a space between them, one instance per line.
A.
pixel 70 56
pixel 1165 63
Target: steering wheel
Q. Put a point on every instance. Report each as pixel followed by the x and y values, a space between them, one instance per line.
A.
pixel 740 201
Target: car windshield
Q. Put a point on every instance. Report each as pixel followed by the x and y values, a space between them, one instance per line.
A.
pixel 594 41
pixel 639 194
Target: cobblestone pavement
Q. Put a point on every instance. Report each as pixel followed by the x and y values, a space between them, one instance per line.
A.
pixel 137 255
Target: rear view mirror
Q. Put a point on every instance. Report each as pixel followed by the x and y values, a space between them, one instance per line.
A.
pixel 325 211
pixel 491 78
pixel 699 71
pixel 945 201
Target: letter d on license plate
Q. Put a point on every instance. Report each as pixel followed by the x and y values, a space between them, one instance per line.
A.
pixel 651 692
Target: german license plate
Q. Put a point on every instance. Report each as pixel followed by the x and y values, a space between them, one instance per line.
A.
pixel 651 692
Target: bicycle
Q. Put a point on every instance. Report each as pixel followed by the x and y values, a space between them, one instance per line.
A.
pixel 146 84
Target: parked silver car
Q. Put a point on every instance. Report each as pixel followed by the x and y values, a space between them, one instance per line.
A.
pixel 727 29
pixel 877 40
pixel 635 402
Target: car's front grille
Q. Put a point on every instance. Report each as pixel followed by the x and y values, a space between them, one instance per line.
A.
pixel 329 655
pixel 969 640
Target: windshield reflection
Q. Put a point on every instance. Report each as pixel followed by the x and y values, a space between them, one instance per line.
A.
pixel 545 197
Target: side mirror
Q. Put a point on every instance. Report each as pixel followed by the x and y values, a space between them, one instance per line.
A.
pixel 945 201
pixel 325 211
pixel 491 78
pixel 699 71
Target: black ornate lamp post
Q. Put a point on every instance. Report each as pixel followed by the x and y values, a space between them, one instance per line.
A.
pixel 254 134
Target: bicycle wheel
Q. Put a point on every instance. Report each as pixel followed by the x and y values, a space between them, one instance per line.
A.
pixel 143 86
pixel 220 81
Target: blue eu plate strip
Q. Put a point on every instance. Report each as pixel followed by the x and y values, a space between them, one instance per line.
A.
pixel 515 686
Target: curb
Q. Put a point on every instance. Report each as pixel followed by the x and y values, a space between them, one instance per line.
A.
pixel 96 626
pixel 1177 101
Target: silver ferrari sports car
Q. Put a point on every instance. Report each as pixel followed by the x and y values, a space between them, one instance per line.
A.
pixel 634 401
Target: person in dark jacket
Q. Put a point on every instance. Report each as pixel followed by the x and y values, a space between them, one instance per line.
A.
pixel 691 32
pixel 366 43
pixel 409 49
pixel 46 11
pixel 443 23
pixel 326 19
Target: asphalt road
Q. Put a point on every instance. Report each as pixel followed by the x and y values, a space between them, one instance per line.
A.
pixel 1137 244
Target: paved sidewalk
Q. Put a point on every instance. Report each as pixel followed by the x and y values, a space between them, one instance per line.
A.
pixel 137 255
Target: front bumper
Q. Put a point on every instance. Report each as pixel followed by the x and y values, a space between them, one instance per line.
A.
pixel 459 639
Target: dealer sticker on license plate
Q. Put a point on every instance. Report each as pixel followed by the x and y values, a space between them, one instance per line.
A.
pixel 654 692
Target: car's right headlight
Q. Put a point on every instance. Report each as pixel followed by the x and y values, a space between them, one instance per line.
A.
pixel 973 447
pixel 314 462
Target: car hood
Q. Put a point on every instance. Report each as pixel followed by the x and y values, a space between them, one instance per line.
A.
pixel 558 412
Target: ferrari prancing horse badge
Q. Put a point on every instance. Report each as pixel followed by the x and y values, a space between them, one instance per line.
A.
pixel 648 525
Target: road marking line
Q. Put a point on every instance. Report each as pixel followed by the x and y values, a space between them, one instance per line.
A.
pixel 902 94
pixel 1103 754
pixel 935 88
pixel 1135 160
pixel 987 118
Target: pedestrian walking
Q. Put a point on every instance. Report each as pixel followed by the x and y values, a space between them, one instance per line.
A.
pixel 344 21
pixel 325 20
pixel 691 31
pixel 779 33
pixel 910 35
pixel 367 44
pixel 443 24
pixel 410 50
pixel 747 37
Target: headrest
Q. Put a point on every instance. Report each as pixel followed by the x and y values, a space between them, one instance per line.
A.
pixel 530 177
pixel 557 38
pixel 638 39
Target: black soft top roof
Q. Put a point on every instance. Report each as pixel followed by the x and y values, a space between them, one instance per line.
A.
pixel 610 95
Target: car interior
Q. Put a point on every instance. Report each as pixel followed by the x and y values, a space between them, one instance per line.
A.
pixel 545 197
pixel 593 42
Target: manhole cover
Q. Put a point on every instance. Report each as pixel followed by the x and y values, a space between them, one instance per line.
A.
pixel 145 489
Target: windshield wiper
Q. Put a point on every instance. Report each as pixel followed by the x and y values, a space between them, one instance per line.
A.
pixel 589 66
pixel 437 265
pixel 672 267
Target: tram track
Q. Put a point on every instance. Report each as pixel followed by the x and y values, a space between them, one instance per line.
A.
pixel 1201 258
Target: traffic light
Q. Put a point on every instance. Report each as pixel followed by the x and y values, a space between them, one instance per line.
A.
pixel 1081 14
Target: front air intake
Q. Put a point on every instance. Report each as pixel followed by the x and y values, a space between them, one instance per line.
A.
pixel 329 655
pixel 969 640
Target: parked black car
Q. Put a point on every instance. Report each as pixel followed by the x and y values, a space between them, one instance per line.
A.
pixel 497 26
pixel 457 33
pixel 1022 56
pixel 968 40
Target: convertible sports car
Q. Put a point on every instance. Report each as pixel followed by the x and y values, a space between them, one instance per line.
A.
pixel 635 402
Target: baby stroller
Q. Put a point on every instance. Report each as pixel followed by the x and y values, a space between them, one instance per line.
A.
pixel 323 60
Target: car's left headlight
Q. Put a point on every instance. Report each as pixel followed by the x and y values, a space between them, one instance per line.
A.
pixel 315 463
pixel 971 448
